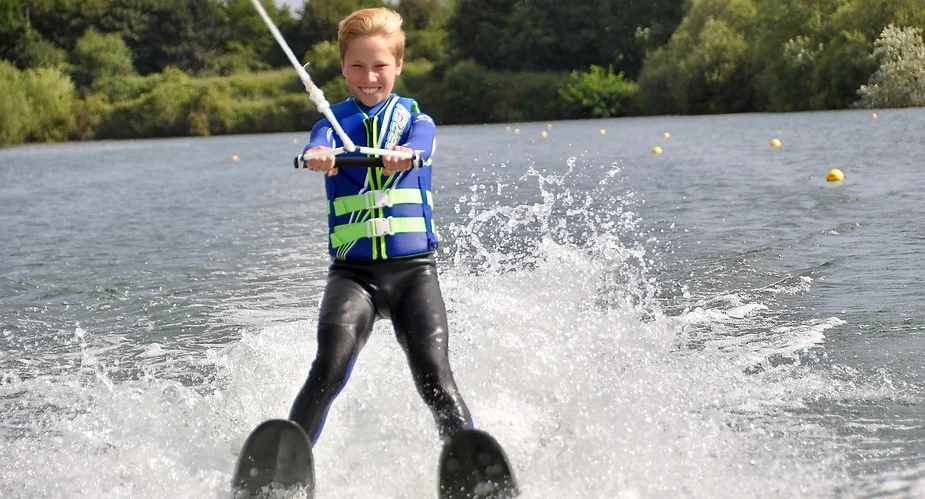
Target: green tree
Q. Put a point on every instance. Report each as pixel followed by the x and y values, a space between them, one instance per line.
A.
pixel 844 65
pixel 465 94
pixel 97 57
pixel 419 14
pixel 476 29
pixel 323 61
pixel 186 34
pixel 788 38
pixel 705 67
pixel 870 16
pixel 425 29
pixel 599 93
pixel 21 43
pixel 900 79
pixel 248 37
pixel 555 35
pixel 321 17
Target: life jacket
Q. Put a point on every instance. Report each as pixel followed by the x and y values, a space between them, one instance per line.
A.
pixel 371 216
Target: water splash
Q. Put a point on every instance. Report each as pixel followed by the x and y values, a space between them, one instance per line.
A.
pixel 563 344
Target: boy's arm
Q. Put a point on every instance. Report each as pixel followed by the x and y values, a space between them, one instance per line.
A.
pixel 422 136
pixel 322 135
pixel 421 140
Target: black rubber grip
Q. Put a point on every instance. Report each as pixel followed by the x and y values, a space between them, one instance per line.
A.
pixel 357 162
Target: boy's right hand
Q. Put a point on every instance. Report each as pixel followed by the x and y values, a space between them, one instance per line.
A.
pixel 322 164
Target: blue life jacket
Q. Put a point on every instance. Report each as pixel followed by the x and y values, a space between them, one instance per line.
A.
pixel 371 216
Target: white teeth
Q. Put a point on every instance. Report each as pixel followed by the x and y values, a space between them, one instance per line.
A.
pixel 369 90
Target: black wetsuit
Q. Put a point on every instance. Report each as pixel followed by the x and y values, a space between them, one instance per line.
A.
pixel 356 295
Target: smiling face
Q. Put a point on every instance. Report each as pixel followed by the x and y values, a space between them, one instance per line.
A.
pixel 370 68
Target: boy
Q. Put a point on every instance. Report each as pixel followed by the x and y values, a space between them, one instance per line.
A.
pixel 381 232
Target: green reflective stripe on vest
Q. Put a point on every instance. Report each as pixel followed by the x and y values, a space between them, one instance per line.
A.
pixel 378 199
pixel 376 227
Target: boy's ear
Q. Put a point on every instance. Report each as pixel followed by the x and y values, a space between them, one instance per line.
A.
pixel 398 65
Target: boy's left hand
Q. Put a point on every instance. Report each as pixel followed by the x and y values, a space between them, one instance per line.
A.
pixel 391 164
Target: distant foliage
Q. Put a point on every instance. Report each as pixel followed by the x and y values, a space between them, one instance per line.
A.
pixel 900 79
pixel 37 105
pixel 98 57
pixel 843 66
pixel 598 93
pixel 705 67
pixel 323 61
pixel 200 67
pixel 14 106
pixel 176 104
pixel 238 58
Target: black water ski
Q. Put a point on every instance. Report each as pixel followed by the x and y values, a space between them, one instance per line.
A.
pixel 473 465
pixel 277 452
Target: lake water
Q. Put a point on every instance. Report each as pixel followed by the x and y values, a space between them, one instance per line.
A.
pixel 713 321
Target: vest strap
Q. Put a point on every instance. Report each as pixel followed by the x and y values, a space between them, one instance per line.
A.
pixel 378 199
pixel 376 227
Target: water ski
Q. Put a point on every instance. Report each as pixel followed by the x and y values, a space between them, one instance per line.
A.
pixel 277 453
pixel 473 465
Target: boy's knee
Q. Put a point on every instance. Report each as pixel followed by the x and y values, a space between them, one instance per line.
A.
pixel 331 373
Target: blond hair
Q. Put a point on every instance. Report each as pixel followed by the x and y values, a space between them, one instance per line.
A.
pixel 378 21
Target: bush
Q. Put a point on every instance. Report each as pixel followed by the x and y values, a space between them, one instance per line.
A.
pixel 92 111
pixel 127 87
pixel 52 100
pixel 597 94
pixel 900 80
pixel 14 106
pixel 179 105
pixel 37 105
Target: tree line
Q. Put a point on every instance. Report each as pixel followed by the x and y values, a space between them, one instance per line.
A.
pixel 88 69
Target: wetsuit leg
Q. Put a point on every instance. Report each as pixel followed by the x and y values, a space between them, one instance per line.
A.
pixel 344 324
pixel 419 317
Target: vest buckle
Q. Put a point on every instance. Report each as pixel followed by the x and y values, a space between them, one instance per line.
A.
pixel 377 199
pixel 378 227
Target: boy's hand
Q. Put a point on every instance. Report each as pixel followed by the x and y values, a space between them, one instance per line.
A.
pixel 322 164
pixel 392 164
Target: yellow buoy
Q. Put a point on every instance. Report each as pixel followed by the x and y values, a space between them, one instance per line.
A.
pixel 666 135
pixel 234 157
pixel 835 175
pixel 543 133
pixel 603 132
pixel 657 150
pixel 775 143
pixel 517 130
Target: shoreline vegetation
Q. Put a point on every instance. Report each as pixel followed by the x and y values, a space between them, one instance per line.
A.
pixel 119 69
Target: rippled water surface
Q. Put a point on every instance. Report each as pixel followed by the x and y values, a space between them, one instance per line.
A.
pixel 713 321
